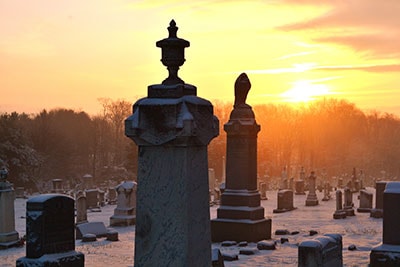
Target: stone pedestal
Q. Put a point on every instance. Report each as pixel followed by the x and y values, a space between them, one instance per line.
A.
pixel 125 212
pixel 312 199
pixel 8 236
pixel 388 253
pixel 240 216
pixel 377 212
pixel 172 128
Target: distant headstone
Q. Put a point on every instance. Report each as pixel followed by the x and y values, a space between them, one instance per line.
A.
pixel 112 195
pixel 263 191
pixel 20 192
pixel 57 186
pixel 388 252
pixel 312 199
pixel 327 195
pixel 95 228
pixel 102 198
pixel 8 235
pixel 285 201
pixel 348 202
pixel 125 212
pixel 50 232
pixel 323 251
pixel 339 213
pixel 365 201
pixel 81 211
pixel 92 198
pixel 299 187
pixel 377 212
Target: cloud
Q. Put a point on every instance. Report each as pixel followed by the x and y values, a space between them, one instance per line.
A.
pixel 366 26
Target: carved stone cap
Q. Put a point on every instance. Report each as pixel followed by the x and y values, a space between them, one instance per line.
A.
pixel 184 121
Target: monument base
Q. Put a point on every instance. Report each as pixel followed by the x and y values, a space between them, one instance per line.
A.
pixel 122 220
pixel 9 239
pixel 385 256
pixel 339 214
pixel 283 210
pixel 349 212
pixel 240 230
pixel 376 213
pixel 65 259
pixel 365 210
pixel 311 202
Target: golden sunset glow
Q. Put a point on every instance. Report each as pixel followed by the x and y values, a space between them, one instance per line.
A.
pixel 304 91
pixel 71 53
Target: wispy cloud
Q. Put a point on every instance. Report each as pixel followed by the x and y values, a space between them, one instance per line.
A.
pixel 305 53
pixel 368 26
pixel 312 66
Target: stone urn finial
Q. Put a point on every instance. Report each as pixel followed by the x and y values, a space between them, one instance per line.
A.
pixel 242 87
pixel 172 54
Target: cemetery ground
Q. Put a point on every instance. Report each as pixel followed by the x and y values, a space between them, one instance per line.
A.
pixel 361 230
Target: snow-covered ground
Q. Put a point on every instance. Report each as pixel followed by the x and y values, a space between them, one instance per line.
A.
pixel 361 230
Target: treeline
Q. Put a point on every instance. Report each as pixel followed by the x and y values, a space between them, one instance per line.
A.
pixel 67 144
pixel 331 136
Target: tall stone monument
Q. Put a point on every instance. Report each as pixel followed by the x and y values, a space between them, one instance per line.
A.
pixel 172 128
pixel 8 236
pixel 240 216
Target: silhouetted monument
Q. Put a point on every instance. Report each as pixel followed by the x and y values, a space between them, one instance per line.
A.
pixel 240 216
pixel 172 128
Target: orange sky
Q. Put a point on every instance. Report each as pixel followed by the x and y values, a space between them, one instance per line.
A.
pixel 70 53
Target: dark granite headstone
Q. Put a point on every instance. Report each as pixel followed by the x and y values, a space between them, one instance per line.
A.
pixel 50 230
pixel 388 252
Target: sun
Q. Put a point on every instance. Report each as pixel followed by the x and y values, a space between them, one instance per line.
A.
pixel 304 91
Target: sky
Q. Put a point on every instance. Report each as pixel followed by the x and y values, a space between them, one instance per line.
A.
pixel 71 53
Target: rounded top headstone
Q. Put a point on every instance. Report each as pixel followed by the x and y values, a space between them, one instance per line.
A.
pixel 392 188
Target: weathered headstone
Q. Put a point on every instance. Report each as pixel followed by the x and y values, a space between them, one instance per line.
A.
pixel 96 228
pixel 327 195
pixel 323 251
pixel 81 210
pixel 8 235
pixel 312 199
pixel 377 212
pixel 285 201
pixel 263 190
pixel 50 233
pixel 92 199
pixel 388 252
pixel 348 202
pixel 339 212
pixel 125 212
pixel 172 128
pixel 20 192
pixel 111 195
pixel 365 201
pixel 284 179
pixel 240 216
pixel 57 186
pixel 299 187
pixel 87 181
